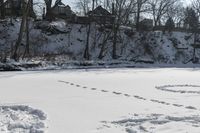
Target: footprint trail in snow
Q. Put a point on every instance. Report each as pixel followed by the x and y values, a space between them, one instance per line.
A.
pixel 140 97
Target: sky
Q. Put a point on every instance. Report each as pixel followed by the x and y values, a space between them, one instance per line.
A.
pixel 71 2
pixel 73 6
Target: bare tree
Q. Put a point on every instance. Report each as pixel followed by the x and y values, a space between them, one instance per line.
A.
pixel 122 10
pixel 84 6
pixel 196 6
pixel 24 24
pixel 140 4
pixel 87 46
pixel 176 12
pixel 48 4
pixel 159 8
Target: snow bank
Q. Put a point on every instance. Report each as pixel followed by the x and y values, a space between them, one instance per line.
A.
pixel 138 123
pixel 21 119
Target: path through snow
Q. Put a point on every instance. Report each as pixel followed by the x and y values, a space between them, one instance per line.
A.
pixel 141 97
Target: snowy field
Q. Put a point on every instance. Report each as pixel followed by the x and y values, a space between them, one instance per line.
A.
pixel 163 100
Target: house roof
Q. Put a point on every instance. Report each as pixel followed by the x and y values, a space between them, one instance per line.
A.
pixel 99 11
pixel 59 3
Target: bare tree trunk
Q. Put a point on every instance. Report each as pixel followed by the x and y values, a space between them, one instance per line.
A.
pixel 93 4
pixel 48 9
pixel 24 24
pixel 138 19
pixel 31 10
pixel 101 54
pixel 87 47
pixel 16 47
pixel 2 9
pixel 115 32
pixel 49 14
pixel 194 50
pixel 27 49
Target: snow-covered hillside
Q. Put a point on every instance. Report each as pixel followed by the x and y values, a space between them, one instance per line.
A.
pixel 51 39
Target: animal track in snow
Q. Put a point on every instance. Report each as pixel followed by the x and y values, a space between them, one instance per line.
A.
pixel 104 91
pixel 138 123
pixel 93 88
pixel 140 97
pixel 116 93
pixel 194 89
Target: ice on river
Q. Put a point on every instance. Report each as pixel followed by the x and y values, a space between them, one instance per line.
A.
pixel 101 101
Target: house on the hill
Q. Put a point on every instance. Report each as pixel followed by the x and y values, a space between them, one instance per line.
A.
pixel 146 24
pixel 101 16
pixel 61 10
pixel 15 8
pixel 98 15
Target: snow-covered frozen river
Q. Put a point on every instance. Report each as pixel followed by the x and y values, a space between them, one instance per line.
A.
pixel 163 100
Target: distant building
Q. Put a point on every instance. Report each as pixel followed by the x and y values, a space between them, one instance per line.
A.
pixel 15 8
pixel 98 15
pixel 101 16
pixel 146 24
pixel 62 11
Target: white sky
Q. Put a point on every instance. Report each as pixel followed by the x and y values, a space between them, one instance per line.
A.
pixel 71 2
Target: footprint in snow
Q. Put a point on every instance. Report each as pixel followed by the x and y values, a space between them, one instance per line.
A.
pixel 194 89
pixel 63 81
pixel 127 95
pixel 142 98
pixel 137 122
pixel 190 107
pixel 104 91
pixel 138 97
pixel 177 105
pixel 116 93
pixel 161 102
pixel 93 88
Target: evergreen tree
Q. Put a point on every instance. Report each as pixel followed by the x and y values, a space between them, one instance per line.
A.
pixel 169 25
pixel 191 19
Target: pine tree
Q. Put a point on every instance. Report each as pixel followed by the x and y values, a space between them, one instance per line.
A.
pixel 169 25
pixel 191 19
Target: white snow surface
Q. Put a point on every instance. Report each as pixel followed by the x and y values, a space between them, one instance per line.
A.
pixel 105 100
